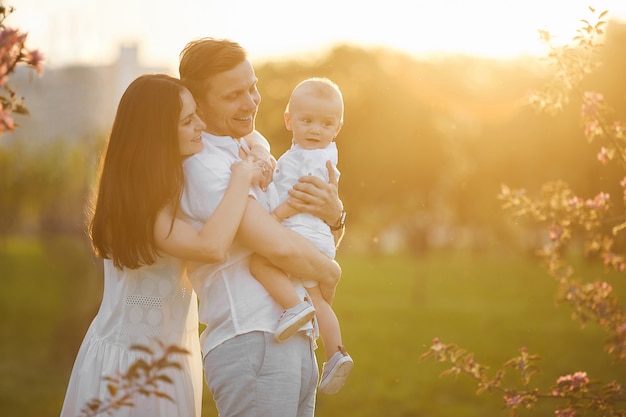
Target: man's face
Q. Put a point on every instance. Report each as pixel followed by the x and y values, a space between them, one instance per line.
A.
pixel 229 105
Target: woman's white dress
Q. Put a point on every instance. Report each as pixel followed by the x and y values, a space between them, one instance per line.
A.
pixel 138 307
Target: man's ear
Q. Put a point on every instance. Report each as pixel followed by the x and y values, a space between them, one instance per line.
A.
pixel 200 109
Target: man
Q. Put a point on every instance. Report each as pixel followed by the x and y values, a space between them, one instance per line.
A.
pixel 247 371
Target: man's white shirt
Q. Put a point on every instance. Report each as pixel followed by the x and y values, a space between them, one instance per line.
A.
pixel 232 301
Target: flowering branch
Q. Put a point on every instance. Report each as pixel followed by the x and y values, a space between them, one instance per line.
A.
pixel 575 392
pixel 143 378
pixel 571 63
pixel 13 52
pixel 565 215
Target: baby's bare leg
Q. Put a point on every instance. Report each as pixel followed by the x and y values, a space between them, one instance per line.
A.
pixel 330 331
pixel 275 281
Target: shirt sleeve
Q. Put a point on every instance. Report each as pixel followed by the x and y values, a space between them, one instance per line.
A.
pixel 297 163
pixel 206 179
pixel 286 174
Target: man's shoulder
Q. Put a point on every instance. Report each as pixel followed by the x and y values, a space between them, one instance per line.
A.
pixel 211 157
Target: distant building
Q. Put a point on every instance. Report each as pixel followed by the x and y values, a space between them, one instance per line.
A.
pixel 74 102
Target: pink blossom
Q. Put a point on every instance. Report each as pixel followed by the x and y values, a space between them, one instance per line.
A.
pixel 604 156
pixel 513 400
pixel 566 412
pixel 555 232
pixel 593 129
pixel 437 345
pixel 591 104
pixel 604 288
pixel 618 129
pixel 574 381
pixel 599 201
pixel 11 44
pixel 35 59
pixel 8 38
pixel 577 201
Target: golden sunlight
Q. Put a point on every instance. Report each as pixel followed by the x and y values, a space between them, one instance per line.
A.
pixel 72 31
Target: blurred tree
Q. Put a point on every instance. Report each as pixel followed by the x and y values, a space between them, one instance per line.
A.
pixel 427 143
pixel 44 189
pixel 425 146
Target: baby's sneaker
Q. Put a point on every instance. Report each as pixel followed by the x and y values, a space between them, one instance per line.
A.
pixel 292 320
pixel 335 372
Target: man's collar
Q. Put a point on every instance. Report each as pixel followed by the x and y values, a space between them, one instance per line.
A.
pixel 220 140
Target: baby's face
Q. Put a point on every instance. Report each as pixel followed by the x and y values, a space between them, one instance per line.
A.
pixel 314 121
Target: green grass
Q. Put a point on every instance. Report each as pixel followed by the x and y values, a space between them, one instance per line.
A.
pixel 49 291
pixel 390 309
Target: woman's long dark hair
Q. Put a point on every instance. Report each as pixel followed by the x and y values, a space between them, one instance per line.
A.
pixel 140 171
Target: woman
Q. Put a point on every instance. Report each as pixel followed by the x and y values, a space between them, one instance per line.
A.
pixel 134 227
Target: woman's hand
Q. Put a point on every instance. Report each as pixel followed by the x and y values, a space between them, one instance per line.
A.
pixel 260 152
pixel 267 162
pixel 314 196
pixel 252 170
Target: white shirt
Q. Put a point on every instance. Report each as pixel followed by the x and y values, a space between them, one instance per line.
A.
pixel 292 165
pixel 232 301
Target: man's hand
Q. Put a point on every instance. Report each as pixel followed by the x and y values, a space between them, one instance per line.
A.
pixel 314 196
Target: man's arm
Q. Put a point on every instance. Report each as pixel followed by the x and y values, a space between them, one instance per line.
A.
pixel 284 248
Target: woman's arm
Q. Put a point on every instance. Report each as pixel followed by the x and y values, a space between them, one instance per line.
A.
pixel 211 242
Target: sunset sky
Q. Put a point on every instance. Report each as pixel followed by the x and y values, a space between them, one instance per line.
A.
pixel 91 31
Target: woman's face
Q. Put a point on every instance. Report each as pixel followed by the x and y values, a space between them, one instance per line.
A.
pixel 189 126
